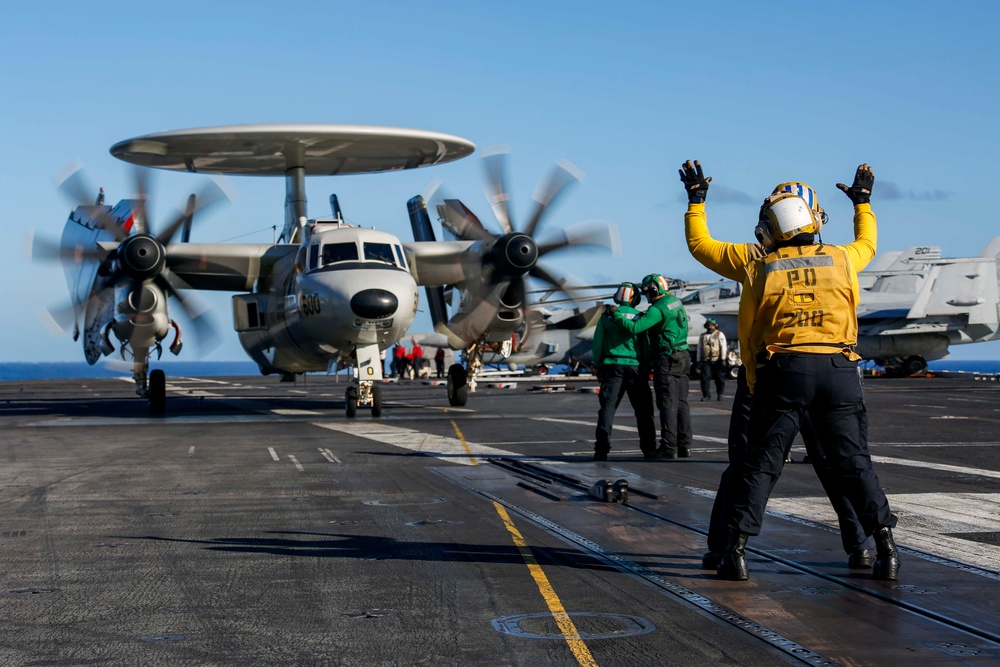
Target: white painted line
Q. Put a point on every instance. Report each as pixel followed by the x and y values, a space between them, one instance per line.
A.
pixel 980 472
pixel 450 449
pixel 627 429
pixel 293 412
pixel 202 380
pixel 445 408
pixel 926 522
pixel 328 455
pixel 168 419
pixel 295 461
pixel 274 454
pixel 191 450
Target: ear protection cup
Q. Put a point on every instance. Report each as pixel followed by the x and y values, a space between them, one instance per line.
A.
pixel 763 235
pixel 821 219
pixel 761 231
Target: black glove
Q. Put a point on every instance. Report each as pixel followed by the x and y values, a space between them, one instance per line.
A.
pixel 861 191
pixel 609 310
pixel 694 181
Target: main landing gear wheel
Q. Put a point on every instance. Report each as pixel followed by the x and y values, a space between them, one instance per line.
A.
pixel 376 401
pixel 458 388
pixel 157 393
pixel 914 366
pixel 351 399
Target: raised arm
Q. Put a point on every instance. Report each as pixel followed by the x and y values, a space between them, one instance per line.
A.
pixel 726 259
pixel 865 244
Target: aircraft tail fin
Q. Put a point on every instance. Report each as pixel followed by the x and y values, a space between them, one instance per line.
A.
pixel 992 248
pixel 420 222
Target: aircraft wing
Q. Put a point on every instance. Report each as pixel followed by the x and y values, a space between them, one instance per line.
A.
pixel 227 267
pixel 435 263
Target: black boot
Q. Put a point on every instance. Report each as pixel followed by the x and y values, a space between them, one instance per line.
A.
pixel 860 559
pixel 711 560
pixel 887 561
pixel 734 562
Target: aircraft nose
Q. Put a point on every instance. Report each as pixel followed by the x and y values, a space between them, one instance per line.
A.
pixel 374 304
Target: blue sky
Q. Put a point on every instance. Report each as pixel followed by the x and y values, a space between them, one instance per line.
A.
pixel 760 93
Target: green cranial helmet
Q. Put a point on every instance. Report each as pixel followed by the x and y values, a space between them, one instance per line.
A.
pixel 655 282
pixel 710 321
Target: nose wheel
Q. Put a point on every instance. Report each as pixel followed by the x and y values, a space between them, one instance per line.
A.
pixel 366 394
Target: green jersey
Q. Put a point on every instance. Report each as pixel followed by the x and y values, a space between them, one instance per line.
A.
pixel 665 320
pixel 613 345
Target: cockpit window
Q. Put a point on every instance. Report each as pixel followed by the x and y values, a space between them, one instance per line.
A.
pixel 400 256
pixel 694 297
pixel 380 252
pixel 339 252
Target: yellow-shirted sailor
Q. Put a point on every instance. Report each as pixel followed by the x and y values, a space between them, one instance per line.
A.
pixel 797 330
pixel 730 260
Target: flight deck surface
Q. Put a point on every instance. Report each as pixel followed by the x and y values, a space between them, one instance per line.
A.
pixel 255 524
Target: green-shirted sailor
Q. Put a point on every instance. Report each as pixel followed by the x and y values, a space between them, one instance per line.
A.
pixel 620 360
pixel 667 324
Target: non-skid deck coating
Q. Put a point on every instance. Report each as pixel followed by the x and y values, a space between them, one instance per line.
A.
pixel 256 525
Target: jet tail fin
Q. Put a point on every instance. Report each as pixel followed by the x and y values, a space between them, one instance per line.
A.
pixel 992 248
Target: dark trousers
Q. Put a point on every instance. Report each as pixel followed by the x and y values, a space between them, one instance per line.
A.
pixel 440 367
pixel 616 382
pixel 671 381
pixel 713 370
pixel 828 388
pixel 852 535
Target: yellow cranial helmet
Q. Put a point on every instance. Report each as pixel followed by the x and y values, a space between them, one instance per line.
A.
pixel 783 216
pixel 807 193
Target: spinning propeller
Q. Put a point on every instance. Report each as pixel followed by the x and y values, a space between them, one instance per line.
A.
pixel 140 258
pixel 506 258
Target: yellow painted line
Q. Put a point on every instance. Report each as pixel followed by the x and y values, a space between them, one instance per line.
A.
pixel 461 439
pixel 565 623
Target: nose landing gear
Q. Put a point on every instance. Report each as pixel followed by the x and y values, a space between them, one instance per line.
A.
pixel 367 393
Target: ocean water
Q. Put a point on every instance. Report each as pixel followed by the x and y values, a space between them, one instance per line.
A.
pixel 967 365
pixel 15 371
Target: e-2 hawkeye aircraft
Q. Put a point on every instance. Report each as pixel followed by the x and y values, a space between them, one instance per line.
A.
pixel 325 294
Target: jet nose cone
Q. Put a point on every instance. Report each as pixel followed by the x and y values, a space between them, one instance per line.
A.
pixel 374 304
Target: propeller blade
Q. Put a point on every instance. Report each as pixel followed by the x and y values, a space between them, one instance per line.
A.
pixel 561 285
pixel 206 333
pixel 471 324
pixel 142 195
pixel 495 167
pixel 212 193
pixel 77 189
pixel 41 248
pixel 597 234
pixel 74 185
pixel 539 272
pixel 561 176
pixel 65 316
